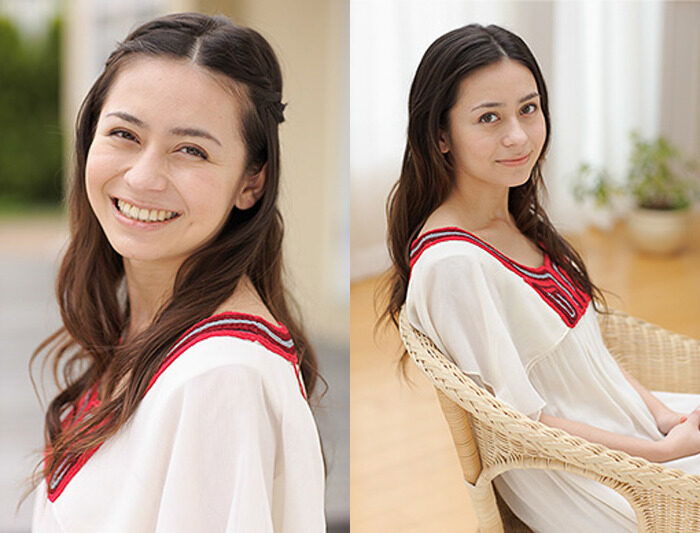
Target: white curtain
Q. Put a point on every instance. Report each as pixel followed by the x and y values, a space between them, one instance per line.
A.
pixel 601 61
pixel 605 82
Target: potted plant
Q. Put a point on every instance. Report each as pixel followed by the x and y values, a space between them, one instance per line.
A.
pixel 596 191
pixel 663 189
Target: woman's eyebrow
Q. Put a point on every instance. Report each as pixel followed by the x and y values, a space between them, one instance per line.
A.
pixel 499 104
pixel 194 132
pixel 128 117
pixel 181 132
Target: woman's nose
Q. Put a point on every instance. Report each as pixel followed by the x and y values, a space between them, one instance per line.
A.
pixel 515 134
pixel 147 172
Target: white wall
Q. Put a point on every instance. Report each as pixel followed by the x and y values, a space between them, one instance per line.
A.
pixel 310 39
pixel 680 77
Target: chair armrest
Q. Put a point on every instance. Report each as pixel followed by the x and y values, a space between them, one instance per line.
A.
pixel 508 439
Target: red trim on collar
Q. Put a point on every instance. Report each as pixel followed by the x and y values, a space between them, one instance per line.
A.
pixel 275 338
pixel 552 283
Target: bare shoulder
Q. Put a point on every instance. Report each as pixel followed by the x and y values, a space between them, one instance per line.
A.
pixel 450 216
pixel 512 243
pixel 245 299
pixel 443 217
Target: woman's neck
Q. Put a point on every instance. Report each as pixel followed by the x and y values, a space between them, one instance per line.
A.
pixel 479 205
pixel 149 286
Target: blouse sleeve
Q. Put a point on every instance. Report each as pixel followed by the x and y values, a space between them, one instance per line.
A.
pixel 221 467
pixel 458 307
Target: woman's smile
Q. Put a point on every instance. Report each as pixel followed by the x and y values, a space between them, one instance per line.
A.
pixel 143 214
pixel 515 162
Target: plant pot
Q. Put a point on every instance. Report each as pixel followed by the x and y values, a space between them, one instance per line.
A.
pixel 659 231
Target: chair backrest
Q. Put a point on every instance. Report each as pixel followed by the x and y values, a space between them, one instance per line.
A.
pixel 492 512
pixel 460 423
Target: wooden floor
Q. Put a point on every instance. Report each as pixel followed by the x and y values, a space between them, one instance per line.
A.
pixel 404 474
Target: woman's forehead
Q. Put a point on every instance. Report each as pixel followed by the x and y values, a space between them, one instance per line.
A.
pixel 505 82
pixel 165 92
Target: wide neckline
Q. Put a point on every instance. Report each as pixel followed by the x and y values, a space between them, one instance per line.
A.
pixel 278 326
pixel 552 283
pixel 253 328
pixel 417 247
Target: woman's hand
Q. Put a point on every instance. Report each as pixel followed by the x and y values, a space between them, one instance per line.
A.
pixel 665 418
pixel 669 419
pixel 683 439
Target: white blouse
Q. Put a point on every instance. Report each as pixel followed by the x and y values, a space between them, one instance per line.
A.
pixel 532 339
pixel 223 441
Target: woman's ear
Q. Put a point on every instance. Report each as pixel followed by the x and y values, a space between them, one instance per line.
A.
pixel 444 142
pixel 252 189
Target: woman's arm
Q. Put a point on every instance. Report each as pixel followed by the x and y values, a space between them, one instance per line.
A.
pixel 648 449
pixel 665 418
pixel 681 441
pixel 221 458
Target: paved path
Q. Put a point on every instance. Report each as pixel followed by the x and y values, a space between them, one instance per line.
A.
pixel 29 251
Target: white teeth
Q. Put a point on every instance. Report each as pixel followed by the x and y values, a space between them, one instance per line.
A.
pixel 144 215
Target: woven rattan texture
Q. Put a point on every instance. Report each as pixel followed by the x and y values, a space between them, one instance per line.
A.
pixel 497 438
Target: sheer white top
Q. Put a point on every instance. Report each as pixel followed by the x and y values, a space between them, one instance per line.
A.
pixel 532 339
pixel 224 440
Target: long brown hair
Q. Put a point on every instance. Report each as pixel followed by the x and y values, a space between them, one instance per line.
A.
pixel 427 176
pixel 90 285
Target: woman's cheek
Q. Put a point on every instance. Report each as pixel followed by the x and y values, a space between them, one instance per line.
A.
pixel 102 162
pixel 541 131
pixel 101 169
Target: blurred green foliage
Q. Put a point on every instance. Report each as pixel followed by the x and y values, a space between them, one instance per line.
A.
pixel 655 179
pixel 30 133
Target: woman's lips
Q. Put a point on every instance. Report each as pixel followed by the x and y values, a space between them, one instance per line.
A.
pixel 514 162
pixel 135 217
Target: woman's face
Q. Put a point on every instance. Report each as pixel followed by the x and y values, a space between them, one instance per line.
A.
pixel 496 128
pixel 168 162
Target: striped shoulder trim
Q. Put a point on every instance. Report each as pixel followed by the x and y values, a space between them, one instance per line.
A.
pixel 275 338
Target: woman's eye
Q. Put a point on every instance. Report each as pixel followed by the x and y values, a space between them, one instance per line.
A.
pixel 123 134
pixel 488 118
pixel 532 107
pixel 193 150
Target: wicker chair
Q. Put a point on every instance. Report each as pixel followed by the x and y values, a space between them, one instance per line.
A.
pixel 491 438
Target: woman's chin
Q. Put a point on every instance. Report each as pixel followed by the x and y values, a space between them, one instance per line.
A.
pixel 142 253
pixel 520 179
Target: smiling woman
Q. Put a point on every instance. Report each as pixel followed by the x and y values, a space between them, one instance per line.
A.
pixel 187 378
pixel 159 182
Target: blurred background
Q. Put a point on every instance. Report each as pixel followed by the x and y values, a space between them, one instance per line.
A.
pixel 52 51
pixel 623 180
